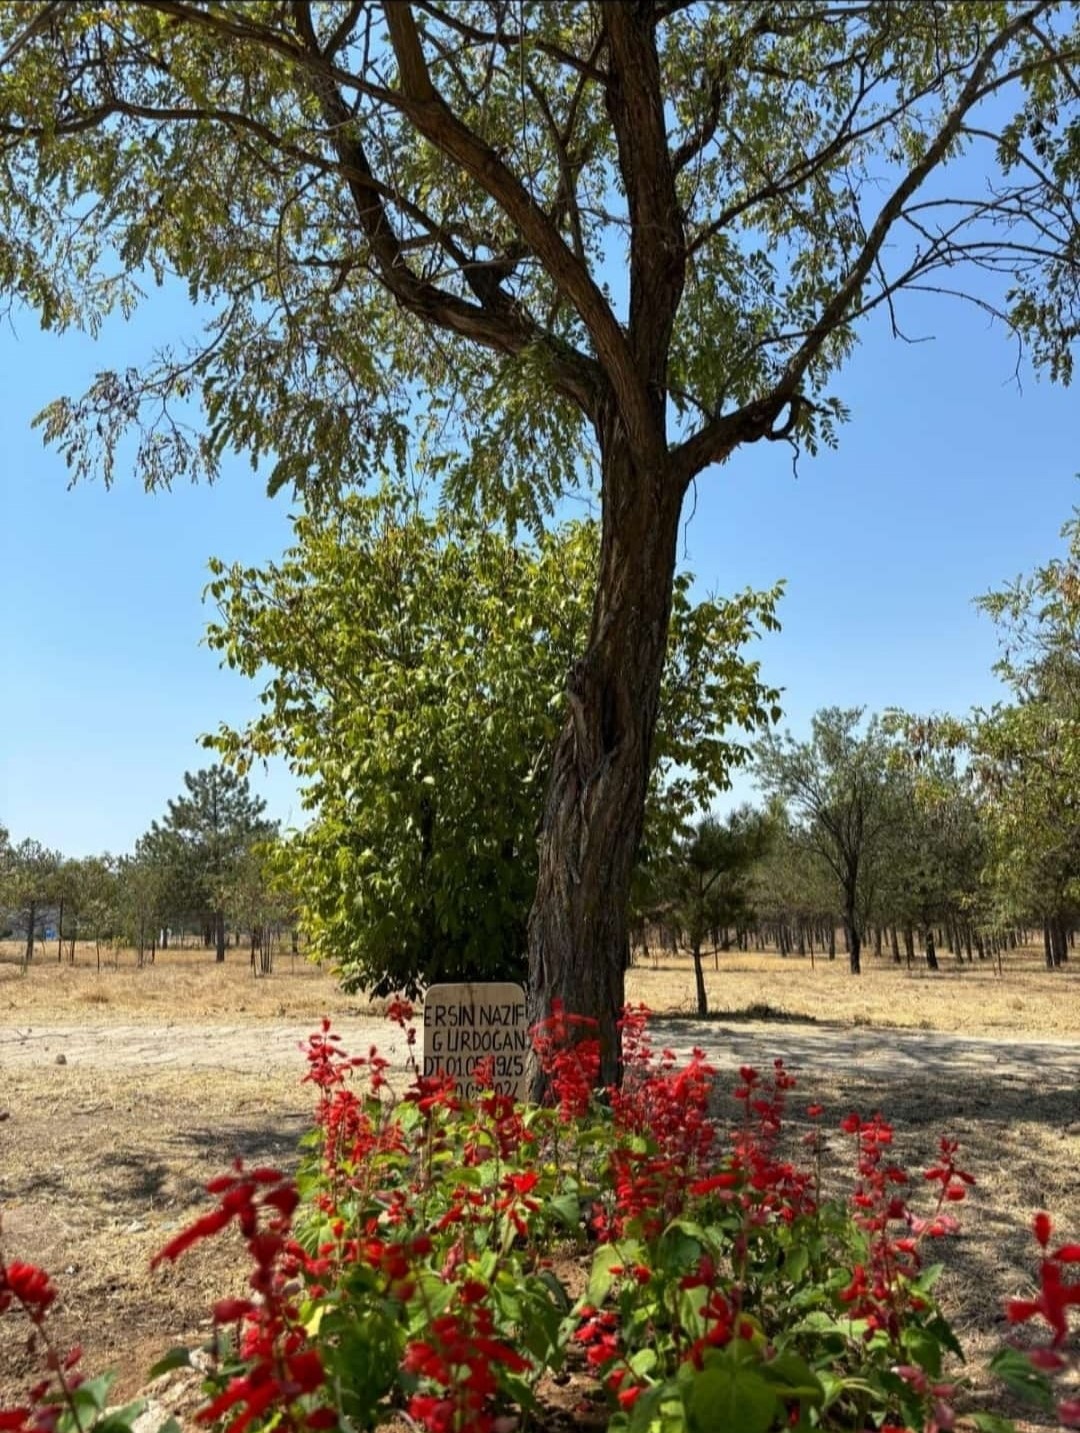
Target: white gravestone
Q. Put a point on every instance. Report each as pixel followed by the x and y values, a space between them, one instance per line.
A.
pixel 466 1024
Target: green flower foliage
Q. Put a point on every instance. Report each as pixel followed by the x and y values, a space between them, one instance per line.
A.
pixel 414 671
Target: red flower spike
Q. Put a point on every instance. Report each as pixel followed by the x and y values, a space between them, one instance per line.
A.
pixel 1041 1225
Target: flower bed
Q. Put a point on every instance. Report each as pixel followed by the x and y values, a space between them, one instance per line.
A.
pixel 418 1266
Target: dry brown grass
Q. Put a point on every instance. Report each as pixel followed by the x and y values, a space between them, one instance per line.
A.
pixel 189 985
pixel 184 985
pixel 962 999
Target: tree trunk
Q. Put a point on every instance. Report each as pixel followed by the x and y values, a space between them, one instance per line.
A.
pixel 855 952
pixel 895 945
pixel 854 939
pixel 832 940
pixel 591 822
pixel 60 933
pixel 219 935
pixel 699 980
pixel 909 945
pixel 931 953
pixel 29 954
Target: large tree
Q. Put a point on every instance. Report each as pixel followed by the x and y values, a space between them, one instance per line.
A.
pixel 645 231
pixel 414 666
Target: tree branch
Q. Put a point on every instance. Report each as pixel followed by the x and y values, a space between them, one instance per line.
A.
pixel 716 440
pixel 496 321
pixel 657 240
pixel 432 117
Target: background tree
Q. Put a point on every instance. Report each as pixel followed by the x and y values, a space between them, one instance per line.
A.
pixel 1027 754
pixel 143 890
pixel 707 880
pixel 195 850
pixel 99 912
pixel 7 863
pixel 843 801
pixel 29 887
pixel 794 892
pixel 1020 760
pixel 253 903
pixel 638 232
pixel 417 669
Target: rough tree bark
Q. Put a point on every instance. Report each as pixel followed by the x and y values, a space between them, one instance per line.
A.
pixel 591 824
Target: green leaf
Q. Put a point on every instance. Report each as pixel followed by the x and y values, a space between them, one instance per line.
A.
pixel 792 1377
pixel 606 1258
pixel 567 1208
pixel 643 1362
pixel 730 1400
pixel 94 1393
pixel 796 1263
pixel 178 1357
pixel 991 1423
pixel 120 1420
pixel 1016 1370
pixel 923 1349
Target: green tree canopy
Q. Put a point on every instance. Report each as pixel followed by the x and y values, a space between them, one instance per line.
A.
pixel 1025 755
pixel 29 872
pixel 417 668
pixel 626 237
pixel 705 882
pixel 845 801
pixel 184 863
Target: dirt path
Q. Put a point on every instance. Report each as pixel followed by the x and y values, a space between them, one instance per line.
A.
pixel 275 1048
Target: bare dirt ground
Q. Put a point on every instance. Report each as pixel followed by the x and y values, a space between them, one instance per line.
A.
pixel 124 1090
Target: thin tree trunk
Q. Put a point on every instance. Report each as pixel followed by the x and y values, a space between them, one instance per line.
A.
pixel 219 935
pixel 699 980
pixel 29 952
pixel 854 940
pixel 60 933
pixel 591 822
pixel 931 953
pixel 895 945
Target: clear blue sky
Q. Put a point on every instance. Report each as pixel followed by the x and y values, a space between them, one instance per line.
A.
pixel 948 480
